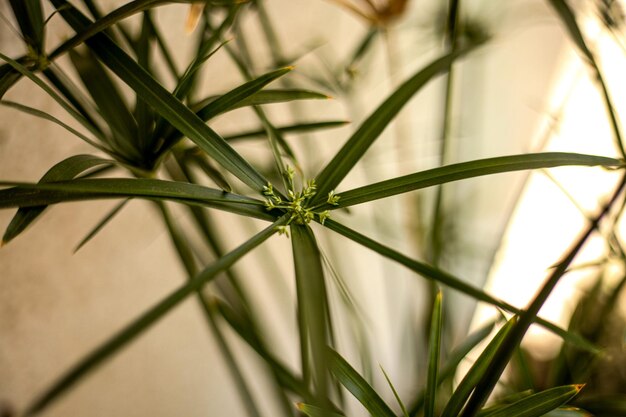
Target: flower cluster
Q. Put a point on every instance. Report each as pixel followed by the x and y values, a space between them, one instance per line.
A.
pixel 297 202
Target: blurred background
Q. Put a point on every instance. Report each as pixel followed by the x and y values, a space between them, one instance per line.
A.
pixel 526 90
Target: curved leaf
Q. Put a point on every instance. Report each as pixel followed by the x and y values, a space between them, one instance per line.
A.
pixel 29 195
pixel 434 350
pixel 214 106
pixel 66 106
pixel 471 169
pixel 121 13
pixel 312 309
pixel 454 359
pixel 109 102
pixel 358 386
pixel 43 115
pixel 373 126
pixel 468 383
pixel 64 170
pixel 164 103
pixel 538 404
pixel 105 220
pixel 313 411
pixel 293 128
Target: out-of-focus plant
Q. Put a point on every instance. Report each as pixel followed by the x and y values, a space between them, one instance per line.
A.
pixel 163 149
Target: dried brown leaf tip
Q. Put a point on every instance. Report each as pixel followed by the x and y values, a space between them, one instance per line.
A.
pixel 193 17
pixel 376 12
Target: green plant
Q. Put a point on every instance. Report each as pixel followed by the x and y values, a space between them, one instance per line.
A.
pixel 163 150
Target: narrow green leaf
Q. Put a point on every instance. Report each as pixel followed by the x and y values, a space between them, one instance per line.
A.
pixel 208 109
pixel 260 97
pixel 434 350
pixel 281 96
pixel 569 19
pixel 43 115
pixel 313 411
pixel 570 412
pixel 98 356
pixel 64 170
pixel 468 383
pixel 395 393
pixel 361 49
pixel 29 16
pixel 8 77
pixel 127 10
pixel 538 404
pixel 454 359
pixel 186 81
pixel 471 169
pixel 373 126
pixel 142 111
pixel 118 207
pixel 110 103
pixel 312 308
pixel 293 128
pixel 247 94
pixel 29 195
pixel 358 386
pixel 162 101
pixel 453 282
pixel 74 95
pixel 206 37
pixel 211 172
pixel 165 50
pixel 525 379
pixel 67 107
pixel 276 141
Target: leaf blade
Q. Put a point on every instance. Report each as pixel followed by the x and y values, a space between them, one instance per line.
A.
pixel 64 170
pixel 29 195
pixel 466 170
pixel 538 404
pixel 162 101
pixel 358 386
pixel 373 126
pixel 434 350
pixel 472 377
pixel 312 308
pixel 287 129
pixel 314 411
